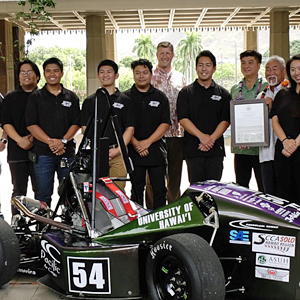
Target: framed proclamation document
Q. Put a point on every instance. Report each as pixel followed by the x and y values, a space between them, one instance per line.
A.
pixel 249 123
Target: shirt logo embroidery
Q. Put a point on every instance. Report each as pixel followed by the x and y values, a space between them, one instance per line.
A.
pixel 66 103
pixel 216 97
pixel 118 105
pixel 154 103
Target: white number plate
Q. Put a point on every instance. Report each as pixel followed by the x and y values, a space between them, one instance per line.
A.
pixel 89 275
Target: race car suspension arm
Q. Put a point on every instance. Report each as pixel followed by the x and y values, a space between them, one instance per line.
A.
pixel 81 203
pixel 18 203
pixel 207 205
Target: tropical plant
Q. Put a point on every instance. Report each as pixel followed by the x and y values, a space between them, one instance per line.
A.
pixel 186 53
pixel 74 66
pixel 295 47
pixel 125 79
pixel 37 10
pixel 126 61
pixel 144 47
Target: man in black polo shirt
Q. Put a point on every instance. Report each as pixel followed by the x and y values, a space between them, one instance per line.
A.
pixel 52 117
pixel 19 138
pixel 148 147
pixel 122 106
pixel 203 111
pixel 3 139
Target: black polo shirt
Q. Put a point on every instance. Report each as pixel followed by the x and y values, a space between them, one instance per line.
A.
pixel 13 113
pixel 55 115
pixel 205 108
pixel 151 109
pixel 122 107
pixel 286 107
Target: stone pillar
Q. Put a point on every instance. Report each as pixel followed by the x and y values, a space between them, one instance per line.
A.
pixel 7 82
pixel 95 49
pixel 111 49
pixel 250 39
pixel 279 33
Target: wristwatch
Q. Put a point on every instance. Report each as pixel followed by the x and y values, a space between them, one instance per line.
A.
pixel 64 141
pixel 4 141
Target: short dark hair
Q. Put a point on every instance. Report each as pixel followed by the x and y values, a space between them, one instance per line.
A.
pixel 108 62
pixel 142 62
pixel 253 53
pixel 34 67
pixel 206 53
pixel 165 44
pixel 53 60
pixel 293 83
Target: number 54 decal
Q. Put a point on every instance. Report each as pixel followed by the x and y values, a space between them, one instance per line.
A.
pixel 89 275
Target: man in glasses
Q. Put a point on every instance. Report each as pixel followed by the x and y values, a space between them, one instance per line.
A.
pixel 19 138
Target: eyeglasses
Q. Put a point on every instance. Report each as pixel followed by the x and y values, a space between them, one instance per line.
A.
pixel 26 72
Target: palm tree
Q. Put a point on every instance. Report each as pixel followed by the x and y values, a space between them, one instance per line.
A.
pixel 187 51
pixel 144 47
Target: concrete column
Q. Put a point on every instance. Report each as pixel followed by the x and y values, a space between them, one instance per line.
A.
pixel 111 49
pixel 250 39
pixel 279 33
pixel 95 49
pixel 7 82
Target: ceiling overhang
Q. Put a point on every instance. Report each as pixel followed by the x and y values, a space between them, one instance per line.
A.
pixel 157 14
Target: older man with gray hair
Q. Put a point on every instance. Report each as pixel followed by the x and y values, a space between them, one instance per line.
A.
pixel 275 75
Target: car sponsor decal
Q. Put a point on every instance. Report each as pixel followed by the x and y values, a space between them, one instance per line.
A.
pixel 272 205
pixel 239 237
pixel 51 257
pixel 162 246
pixel 89 275
pixel 249 224
pixel 168 217
pixel 273 261
pixel 274 244
pixel 27 271
pixel 272 274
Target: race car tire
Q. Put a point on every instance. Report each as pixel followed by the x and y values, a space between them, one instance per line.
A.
pixel 9 253
pixel 184 266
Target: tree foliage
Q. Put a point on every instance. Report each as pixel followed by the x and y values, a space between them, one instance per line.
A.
pixel 74 66
pixel 125 79
pixel 225 75
pixel 186 53
pixel 295 47
pixel 144 47
pixel 33 10
pixel 126 61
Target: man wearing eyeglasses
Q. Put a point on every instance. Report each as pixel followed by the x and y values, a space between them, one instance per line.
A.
pixel 19 138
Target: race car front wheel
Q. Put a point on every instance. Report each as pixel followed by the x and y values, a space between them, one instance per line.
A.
pixel 9 253
pixel 184 266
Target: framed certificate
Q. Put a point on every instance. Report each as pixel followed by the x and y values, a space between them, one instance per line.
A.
pixel 249 123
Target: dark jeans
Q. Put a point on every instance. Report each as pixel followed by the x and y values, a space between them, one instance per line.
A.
pixel 157 176
pixel 45 168
pixel 174 170
pixel 243 165
pixel 204 168
pixel 269 177
pixel 20 173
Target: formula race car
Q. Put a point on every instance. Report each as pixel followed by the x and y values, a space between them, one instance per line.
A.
pixel 218 240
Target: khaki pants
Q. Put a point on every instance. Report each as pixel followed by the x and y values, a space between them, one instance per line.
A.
pixel 117 169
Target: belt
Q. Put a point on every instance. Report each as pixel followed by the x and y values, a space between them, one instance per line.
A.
pixel 113 146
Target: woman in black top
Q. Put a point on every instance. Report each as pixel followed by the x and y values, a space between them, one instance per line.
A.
pixel 285 115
